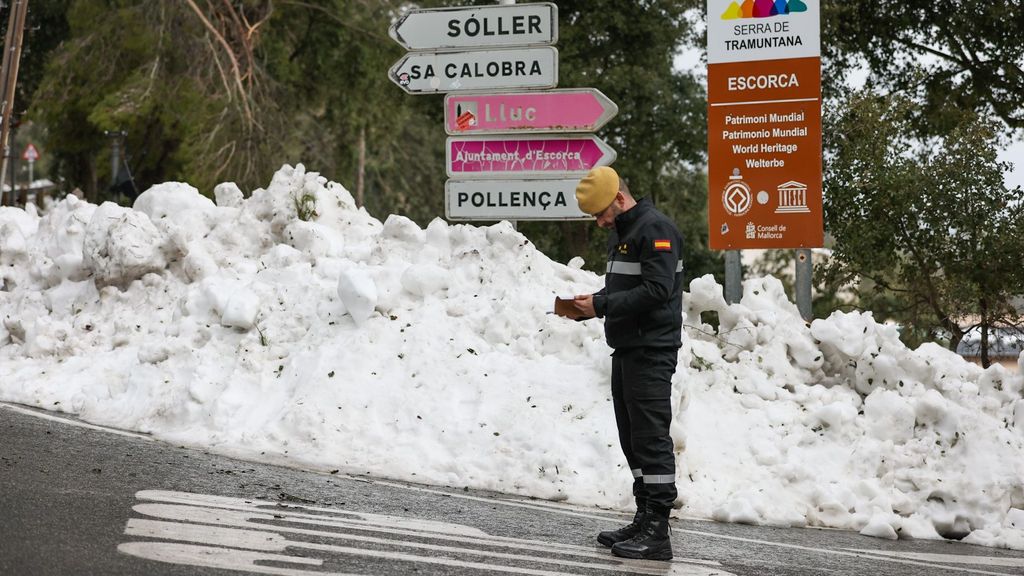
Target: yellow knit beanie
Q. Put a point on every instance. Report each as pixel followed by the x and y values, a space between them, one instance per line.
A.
pixel 597 190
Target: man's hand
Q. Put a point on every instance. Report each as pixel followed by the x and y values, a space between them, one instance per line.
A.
pixel 579 308
pixel 585 305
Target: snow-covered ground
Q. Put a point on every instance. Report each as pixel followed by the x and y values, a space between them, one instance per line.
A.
pixel 429 355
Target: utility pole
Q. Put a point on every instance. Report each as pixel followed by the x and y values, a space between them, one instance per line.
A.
pixel 9 80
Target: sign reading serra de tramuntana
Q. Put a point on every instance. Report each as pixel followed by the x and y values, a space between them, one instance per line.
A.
pixel 516 151
pixel 764 124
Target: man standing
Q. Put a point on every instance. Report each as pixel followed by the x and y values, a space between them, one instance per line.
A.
pixel 642 307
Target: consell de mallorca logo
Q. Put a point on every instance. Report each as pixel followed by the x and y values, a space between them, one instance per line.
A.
pixel 762 8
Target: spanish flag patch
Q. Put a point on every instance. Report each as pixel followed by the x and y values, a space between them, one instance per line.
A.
pixel 663 245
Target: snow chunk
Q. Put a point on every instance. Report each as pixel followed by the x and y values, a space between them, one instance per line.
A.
pixel 358 293
pixel 403 230
pixel 241 309
pixel 121 245
pixel 880 526
pixel 889 416
pixel 171 200
pixel 424 279
pixel 228 195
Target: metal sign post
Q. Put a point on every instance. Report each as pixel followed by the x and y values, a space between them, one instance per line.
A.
pixel 30 155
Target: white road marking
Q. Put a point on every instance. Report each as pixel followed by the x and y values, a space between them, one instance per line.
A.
pixel 360 521
pixel 277 543
pixel 258 525
pixel 80 424
pixel 950 558
pixel 227 558
pixel 273 542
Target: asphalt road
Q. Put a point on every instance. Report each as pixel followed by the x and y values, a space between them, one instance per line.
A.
pixel 82 500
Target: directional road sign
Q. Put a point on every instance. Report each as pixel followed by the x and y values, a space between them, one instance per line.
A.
pixel 477 27
pixel 569 110
pixel 526 156
pixel 432 72
pixel 512 200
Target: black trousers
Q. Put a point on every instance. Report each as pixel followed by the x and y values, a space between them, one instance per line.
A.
pixel 642 396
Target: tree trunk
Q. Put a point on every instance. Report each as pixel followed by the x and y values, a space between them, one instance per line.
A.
pixel 955 333
pixel 577 237
pixel 361 169
pixel 91 185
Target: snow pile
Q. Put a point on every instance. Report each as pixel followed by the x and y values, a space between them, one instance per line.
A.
pixel 842 425
pixel 292 326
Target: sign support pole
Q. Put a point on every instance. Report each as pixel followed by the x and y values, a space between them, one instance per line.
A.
pixel 804 271
pixel 515 223
pixel 12 165
pixel 733 277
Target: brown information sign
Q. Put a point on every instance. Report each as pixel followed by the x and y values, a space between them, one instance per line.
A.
pixel 764 125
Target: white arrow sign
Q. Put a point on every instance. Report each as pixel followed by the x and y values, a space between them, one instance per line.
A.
pixel 432 72
pixel 512 200
pixel 477 27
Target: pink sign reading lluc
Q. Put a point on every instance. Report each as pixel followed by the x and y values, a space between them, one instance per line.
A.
pixel 567 111
pixel 526 155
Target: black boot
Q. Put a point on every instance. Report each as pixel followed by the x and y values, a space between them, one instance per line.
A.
pixel 611 537
pixel 651 543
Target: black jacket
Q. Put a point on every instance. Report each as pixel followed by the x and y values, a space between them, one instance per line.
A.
pixel 642 297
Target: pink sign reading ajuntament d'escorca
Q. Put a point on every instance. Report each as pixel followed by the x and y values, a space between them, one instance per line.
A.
pixel 526 156
pixel 570 110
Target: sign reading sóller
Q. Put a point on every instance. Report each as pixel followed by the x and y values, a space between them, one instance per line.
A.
pixel 764 124
pixel 477 26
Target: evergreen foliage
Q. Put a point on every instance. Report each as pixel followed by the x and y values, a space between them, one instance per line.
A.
pixel 949 57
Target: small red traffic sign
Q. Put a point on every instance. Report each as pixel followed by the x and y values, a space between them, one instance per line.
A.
pixel 30 154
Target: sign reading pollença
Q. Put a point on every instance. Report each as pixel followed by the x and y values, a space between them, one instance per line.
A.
pixel 477 27
pixel 764 124
pixel 433 72
pixel 512 199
